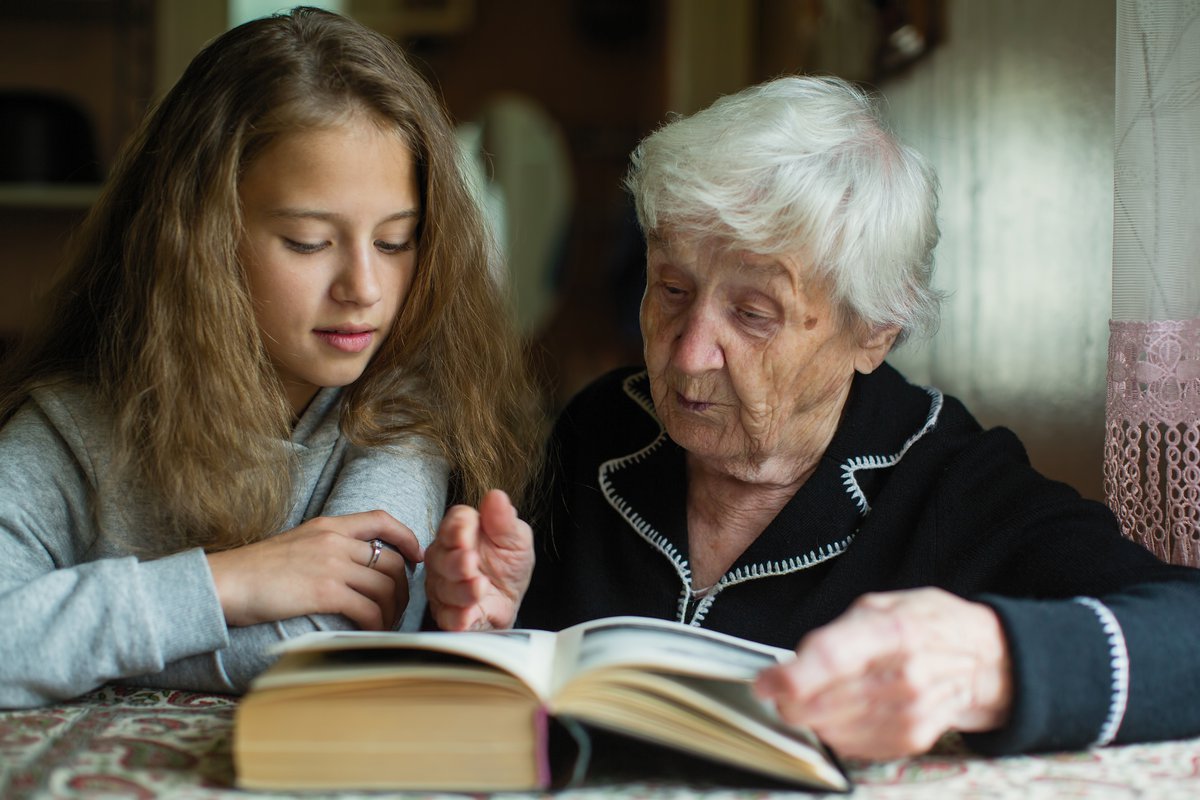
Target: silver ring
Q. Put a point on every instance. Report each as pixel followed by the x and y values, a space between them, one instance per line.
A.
pixel 376 549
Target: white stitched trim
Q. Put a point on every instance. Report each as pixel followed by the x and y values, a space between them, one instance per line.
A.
pixel 752 571
pixel 643 528
pixel 664 546
pixel 642 400
pixel 878 462
pixel 1119 656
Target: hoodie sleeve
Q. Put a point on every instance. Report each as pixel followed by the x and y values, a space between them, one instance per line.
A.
pixel 72 624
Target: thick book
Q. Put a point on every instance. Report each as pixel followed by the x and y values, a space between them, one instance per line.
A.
pixel 473 711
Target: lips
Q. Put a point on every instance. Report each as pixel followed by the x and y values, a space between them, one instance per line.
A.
pixel 347 338
pixel 690 404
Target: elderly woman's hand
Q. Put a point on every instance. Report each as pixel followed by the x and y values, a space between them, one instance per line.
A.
pixel 895 672
pixel 479 566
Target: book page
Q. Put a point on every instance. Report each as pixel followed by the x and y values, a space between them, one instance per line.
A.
pixel 659 645
pixel 717 719
pixel 526 654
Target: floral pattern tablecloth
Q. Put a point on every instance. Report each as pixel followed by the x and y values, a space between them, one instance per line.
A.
pixel 141 743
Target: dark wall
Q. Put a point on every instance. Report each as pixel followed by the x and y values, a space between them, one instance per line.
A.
pixel 598 68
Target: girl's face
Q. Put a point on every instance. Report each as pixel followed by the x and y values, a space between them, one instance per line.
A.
pixel 329 250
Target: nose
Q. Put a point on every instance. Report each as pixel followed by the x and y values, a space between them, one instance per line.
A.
pixel 357 280
pixel 697 347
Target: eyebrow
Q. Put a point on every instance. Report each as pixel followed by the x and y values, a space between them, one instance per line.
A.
pixel 771 269
pixel 329 216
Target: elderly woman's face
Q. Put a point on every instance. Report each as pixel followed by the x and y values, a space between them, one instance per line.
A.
pixel 748 362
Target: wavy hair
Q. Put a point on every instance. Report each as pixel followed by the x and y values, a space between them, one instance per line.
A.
pixel 154 311
pixel 803 165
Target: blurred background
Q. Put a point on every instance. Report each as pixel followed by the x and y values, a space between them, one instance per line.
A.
pixel 1012 101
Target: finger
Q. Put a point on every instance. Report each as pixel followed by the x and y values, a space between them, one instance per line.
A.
pixel 884 601
pixel 392 564
pixel 839 705
pixel 387 561
pixel 459 529
pixel 357 607
pixel 886 732
pixel 880 716
pixel 500 523
pixel 400 597
pixel 403 542
pixel 810 675
pixel 364 552
pixel 842 650
pixel 480 621
pixel 395 567
pixel 452 565
pixel 377 587
pixel 456 618
pixel 382 525
pixel 368 525
pixel 461 618
pixel 463 593
pixel 897 710
pixel 928 677
pixel 452 580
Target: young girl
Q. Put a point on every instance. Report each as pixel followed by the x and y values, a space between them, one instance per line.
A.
pixel 276 341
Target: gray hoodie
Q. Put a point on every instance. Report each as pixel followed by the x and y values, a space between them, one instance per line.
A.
pixel 78 608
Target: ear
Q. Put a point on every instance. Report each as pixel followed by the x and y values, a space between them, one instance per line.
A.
pixel 874 347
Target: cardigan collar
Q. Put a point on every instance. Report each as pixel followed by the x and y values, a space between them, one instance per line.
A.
pixel 884 417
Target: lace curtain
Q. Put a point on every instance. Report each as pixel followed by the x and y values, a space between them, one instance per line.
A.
pixel 1152 447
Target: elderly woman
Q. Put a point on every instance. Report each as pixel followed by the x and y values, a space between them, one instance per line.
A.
pixel 769 475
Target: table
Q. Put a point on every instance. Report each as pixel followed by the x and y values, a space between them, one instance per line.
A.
pixel 142 743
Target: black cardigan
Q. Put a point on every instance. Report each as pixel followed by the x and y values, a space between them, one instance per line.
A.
pixel 1104 638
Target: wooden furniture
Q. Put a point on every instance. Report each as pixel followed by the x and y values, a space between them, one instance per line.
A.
pixel 98 55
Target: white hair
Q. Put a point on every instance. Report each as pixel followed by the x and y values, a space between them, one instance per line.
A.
pixel 803 166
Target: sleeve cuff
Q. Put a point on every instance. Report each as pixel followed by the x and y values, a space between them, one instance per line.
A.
pixel 1069 684
pixel 183 610
pixel 1118 654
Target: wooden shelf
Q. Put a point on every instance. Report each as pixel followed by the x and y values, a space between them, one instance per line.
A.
pixel 66 196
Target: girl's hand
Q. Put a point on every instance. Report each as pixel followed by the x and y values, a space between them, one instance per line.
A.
pixel 479 566
pixel 896 671
pixel 319 567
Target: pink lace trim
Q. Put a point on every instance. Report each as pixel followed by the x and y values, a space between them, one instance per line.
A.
pixel 1152 445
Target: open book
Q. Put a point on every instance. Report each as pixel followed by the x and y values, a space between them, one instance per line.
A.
pixel 469 711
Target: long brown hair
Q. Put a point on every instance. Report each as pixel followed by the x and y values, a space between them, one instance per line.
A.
pixel 153 310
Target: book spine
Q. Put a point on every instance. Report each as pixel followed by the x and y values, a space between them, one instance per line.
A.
pixel 541 735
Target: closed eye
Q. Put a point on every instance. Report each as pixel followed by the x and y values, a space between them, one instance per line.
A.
pixel 755 320
pixel 392 248
pixel 304 248
pixel 672 291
